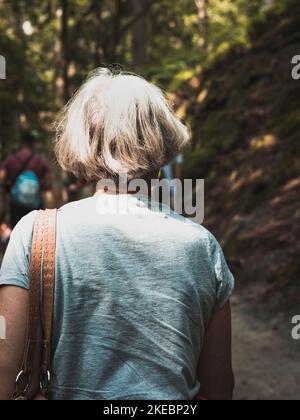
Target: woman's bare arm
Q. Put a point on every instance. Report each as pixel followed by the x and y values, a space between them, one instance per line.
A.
pixel 215 371
pixel 13 309
pixel 14 303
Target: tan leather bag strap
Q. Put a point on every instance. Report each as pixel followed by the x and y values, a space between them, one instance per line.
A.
pixel 48 286
pixel 41 290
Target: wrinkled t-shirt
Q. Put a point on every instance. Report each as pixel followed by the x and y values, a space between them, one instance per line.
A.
pixel 134 294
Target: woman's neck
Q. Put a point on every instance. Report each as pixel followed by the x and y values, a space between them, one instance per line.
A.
pixel 125 188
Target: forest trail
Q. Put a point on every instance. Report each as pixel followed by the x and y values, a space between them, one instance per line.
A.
pixel 266 359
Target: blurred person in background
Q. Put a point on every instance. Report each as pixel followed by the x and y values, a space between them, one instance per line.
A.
pixel 171 172
pixel 24 182
pixel 174 169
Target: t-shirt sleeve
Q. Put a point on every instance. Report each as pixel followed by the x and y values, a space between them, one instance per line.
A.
pixel 16 262
pixel 225 282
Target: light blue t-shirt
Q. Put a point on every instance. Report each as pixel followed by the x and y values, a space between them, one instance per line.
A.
pixel 134 294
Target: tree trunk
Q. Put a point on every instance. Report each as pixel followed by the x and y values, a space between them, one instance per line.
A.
pixel 269 3
pixel 20 83
pixel 65 48
pixel 139 41
pixel 115 39
pixel 202 19
pixel 99 54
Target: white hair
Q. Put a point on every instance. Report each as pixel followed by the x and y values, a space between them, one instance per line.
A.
pixel 118 123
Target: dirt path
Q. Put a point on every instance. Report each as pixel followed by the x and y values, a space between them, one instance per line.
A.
pixel 266 359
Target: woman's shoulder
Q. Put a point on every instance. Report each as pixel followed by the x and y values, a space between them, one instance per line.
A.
pixel 196 231
pixel 26 224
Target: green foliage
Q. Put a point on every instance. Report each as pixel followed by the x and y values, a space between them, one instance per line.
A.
pixel 177 44
pixel 248 93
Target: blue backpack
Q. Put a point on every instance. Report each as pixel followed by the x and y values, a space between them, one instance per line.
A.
pixel 26 191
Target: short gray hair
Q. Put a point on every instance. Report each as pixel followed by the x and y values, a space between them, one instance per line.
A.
pixel 118 122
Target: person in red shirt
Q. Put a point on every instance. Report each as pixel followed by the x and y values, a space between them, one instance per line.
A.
pixel 26 159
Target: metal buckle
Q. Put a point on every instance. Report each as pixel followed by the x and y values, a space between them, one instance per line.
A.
pixel 45 380
pixel 22 385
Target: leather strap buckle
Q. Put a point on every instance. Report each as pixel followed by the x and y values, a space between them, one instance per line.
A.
pixel 22 384
pixel 45 380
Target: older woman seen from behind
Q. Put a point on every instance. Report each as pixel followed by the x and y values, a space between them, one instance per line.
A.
pixel 142 297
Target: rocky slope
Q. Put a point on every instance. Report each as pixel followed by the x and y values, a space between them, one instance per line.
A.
pixel 245 115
